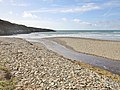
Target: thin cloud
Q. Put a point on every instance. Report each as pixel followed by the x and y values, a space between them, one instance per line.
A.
pixel 77 20
pixel 110 6
pixel 20 5
pixel 64 19
pixel 81 22
pixel 114 14
pixel 14 3
pixel 84 8
pixel 113 3
pixel 78 9
pixel 108 12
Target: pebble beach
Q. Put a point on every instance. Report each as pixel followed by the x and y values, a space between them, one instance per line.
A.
pixel 37 68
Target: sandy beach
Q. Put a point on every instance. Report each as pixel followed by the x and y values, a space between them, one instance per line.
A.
pixel 104 48
pixel 36 68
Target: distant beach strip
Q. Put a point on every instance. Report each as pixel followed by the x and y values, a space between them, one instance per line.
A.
pixel 104 48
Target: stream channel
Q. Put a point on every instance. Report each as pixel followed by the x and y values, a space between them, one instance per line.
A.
pixel 104 63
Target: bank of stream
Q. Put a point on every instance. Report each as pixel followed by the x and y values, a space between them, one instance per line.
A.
pixel 104 63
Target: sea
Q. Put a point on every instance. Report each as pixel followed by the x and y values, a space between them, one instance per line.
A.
pixel 95 34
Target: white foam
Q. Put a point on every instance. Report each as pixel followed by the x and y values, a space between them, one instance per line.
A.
pixel 96 35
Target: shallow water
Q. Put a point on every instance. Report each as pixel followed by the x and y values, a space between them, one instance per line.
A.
pixel 107 64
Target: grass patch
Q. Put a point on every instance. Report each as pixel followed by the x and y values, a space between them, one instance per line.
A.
pixel 7 82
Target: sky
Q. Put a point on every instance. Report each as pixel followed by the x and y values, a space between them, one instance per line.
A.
pixel 63 14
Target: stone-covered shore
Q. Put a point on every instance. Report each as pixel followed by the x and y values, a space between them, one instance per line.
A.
pixel 36 68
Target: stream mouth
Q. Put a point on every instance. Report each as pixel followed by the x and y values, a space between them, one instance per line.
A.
pixel 104 63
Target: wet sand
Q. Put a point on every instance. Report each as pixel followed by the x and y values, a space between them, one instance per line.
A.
pixel 104 48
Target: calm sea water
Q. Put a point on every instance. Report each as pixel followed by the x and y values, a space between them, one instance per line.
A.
pixel 96 34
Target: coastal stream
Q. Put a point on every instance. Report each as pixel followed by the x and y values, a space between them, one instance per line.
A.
pixel 104 63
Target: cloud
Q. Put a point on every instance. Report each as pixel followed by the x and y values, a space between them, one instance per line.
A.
pixel 113 3
pixel 20 5
pixel 76 9
pixel 64 19
pixel 110 6
pixel 14 3
pixel 114 14
pixel 108 12
pixel 80 21
pixel 106 22
pixel 109 24
pixel 28 15
pixel 10 12
pixel 84 8
pixel 77 20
